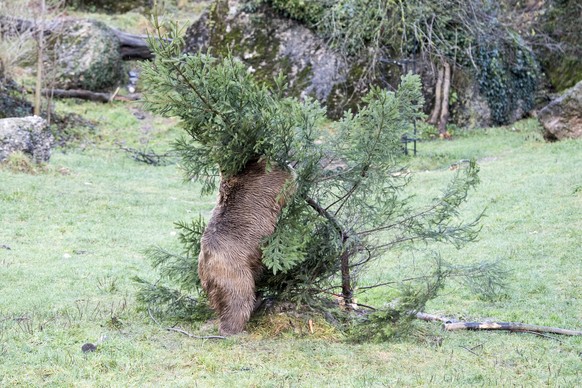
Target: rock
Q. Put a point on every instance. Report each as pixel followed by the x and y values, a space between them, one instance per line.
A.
pixel 470 110
pixel 12 100
pixel 269 45
pixel 562 118
pixel 88 347
pixel 87 56
pixel 29 135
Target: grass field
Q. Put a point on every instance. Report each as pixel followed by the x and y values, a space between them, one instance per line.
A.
pixel 72 237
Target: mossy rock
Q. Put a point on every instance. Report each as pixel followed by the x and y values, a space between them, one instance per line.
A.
pixel 29 135
pixel 269 45
pixel 86 54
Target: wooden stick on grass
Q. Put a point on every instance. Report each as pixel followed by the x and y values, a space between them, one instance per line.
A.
pixel 181 331
pixel 451 324
pixel 509 326
pixel 178 330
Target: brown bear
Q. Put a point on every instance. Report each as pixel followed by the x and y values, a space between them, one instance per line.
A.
pixel 247 209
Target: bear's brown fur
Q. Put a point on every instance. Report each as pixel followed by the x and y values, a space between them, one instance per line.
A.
pixel 230 257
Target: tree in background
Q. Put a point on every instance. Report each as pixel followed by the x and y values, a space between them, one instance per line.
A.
pixel 349 207
pixel 39 54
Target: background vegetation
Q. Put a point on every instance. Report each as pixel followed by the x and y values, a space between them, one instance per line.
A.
pixel 469 35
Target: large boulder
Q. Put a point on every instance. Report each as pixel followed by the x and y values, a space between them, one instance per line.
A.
pixel 86 56
pixel 29 135
pixel 269 44
pixel 562 118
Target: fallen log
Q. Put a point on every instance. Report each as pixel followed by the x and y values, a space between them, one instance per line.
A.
pixel 509 326
pixel 451 324
pixel 133 46
pixel 88 95
pixel 433 318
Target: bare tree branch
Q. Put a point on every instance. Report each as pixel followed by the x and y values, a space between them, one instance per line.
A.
pixel 452 324
pixel 178 330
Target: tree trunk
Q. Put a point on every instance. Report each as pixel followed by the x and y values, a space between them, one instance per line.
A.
pixel 39 52
pixel 347 291
pixel 445 103
pixel 434 116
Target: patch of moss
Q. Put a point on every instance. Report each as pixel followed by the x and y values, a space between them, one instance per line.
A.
pixel 303 78
pixel 19 162
pixel 257 46
pixel 306 11
pixel 563 71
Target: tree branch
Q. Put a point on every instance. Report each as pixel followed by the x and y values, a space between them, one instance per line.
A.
pixel 509 326
pixel 451 324
pixel 178 330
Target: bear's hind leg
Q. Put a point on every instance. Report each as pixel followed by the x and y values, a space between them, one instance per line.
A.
pixel 236 304
pixel 231 295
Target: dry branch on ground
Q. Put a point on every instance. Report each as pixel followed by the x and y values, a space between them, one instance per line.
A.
pixel 451 324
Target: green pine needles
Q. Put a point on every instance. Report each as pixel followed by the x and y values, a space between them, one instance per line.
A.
pixel 348 209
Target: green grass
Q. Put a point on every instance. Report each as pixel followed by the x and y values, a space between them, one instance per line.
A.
pixel 77 232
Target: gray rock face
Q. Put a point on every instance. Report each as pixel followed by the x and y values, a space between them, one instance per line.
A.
pixel 12 100
pixel 270 45
pixel 562 118
pixel 471 109
pixel 87 56
pixel 29 135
